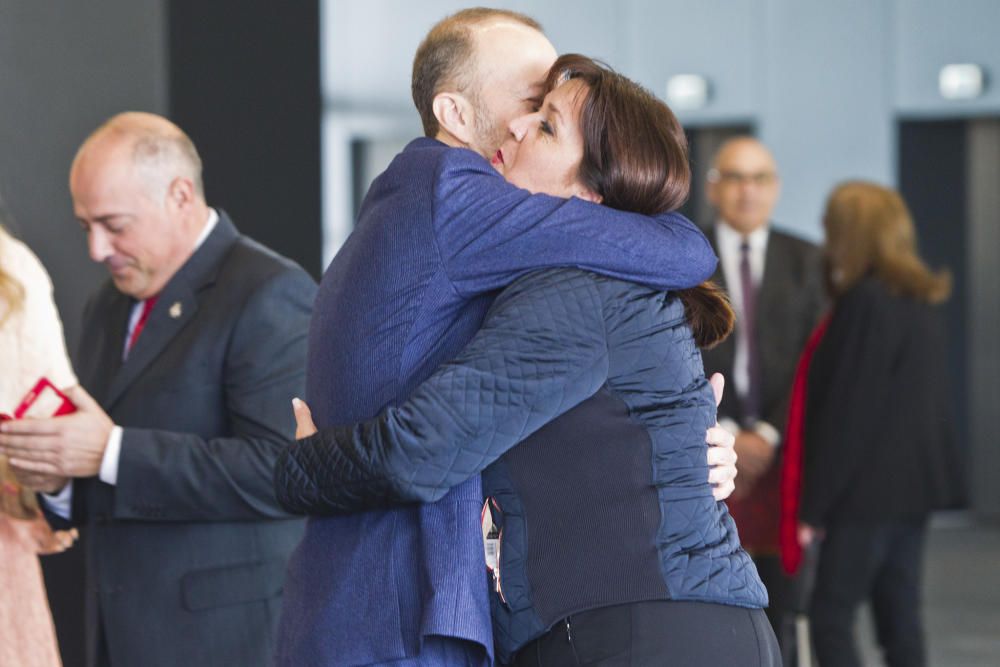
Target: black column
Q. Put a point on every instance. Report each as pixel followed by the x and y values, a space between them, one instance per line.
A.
pixel 933 179
pixel 244 82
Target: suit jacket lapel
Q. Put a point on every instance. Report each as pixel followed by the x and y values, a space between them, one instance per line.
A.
pixel 108 363
pixel 175 308
pixel 770 288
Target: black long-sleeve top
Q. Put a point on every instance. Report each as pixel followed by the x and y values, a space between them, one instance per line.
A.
pixel 879 443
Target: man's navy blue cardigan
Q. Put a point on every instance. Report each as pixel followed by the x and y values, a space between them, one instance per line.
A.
pixel 439 233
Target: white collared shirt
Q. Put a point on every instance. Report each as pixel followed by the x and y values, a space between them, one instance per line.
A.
pixel 729 242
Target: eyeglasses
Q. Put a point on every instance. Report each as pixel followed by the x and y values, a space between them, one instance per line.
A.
pixel 760 178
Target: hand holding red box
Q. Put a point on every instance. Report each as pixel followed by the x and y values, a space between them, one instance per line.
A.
pixel 69 444
pixel 44 400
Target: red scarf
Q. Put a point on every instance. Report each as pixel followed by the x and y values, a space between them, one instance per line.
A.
pixel 791 465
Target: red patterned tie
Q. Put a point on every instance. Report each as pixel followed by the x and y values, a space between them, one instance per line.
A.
pixel 147 307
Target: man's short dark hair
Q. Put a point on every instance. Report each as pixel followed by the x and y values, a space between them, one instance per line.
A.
pixel 446 57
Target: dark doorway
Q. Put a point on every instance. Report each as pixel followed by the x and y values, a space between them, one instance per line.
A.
pixel 949 175
pixel 932 178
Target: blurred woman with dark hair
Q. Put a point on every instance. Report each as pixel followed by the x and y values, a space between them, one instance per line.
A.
pixel 878 445
pixel 31 347
pixel 603 538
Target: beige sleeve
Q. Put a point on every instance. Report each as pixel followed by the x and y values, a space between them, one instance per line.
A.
pixel 42 332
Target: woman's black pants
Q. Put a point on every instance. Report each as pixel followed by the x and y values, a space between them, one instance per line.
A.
pixel 674 634
pixel 877 561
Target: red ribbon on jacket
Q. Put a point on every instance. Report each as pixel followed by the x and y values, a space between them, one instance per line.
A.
pixel 791 464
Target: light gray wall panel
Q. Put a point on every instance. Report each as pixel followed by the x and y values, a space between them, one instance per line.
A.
pixel 722 40
pixel 369 46
pixel 827 112
pixel 932 33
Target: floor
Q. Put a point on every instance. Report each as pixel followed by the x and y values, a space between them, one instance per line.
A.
pixel 962 596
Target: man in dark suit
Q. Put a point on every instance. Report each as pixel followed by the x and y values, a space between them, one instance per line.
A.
pixel 192 352
pixel 774 281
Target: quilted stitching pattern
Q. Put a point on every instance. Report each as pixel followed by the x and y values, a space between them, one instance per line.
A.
pixel 657 370
pixel 499 390
pixel 543 349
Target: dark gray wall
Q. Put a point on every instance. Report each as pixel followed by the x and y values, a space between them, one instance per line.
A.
pixel 65 66
pixel 244 84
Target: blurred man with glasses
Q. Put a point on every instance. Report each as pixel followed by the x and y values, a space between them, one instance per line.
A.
pixel 775 285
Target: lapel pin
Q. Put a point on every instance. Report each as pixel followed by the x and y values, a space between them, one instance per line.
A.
pixel 176 310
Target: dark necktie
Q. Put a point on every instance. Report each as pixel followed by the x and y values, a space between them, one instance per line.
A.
pixel 751 401
pixel 147 308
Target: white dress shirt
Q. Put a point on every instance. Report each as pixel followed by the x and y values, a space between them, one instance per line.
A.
pixel 729 242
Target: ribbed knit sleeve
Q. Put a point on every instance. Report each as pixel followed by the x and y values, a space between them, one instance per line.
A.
pixel 489 230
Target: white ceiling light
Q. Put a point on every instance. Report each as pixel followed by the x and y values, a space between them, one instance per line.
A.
pixel 687 91
pixel 961 82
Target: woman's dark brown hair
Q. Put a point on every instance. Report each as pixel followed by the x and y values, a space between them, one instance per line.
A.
pixel 635 157
pixel 869 231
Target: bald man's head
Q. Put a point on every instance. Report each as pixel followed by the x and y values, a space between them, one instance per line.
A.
pixel 743 184
pixel 159 150
pixel 476 71
pixel 137 192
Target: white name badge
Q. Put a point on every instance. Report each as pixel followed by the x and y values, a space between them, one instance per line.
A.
pixel 492 537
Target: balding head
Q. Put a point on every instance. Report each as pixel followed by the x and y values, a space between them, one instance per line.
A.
pixel 476 71
pixel 743 184
pixel 159 150
pixel 137 192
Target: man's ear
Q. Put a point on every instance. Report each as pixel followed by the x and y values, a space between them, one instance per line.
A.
pixel 180 193
pixel 455 116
